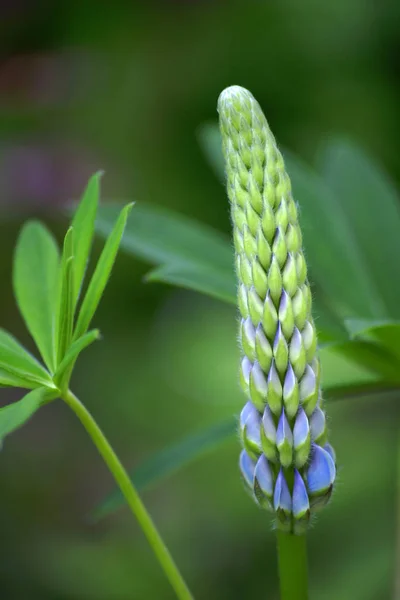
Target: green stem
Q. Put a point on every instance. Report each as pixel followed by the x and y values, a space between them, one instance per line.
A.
pixel 131 496
pixel 292 563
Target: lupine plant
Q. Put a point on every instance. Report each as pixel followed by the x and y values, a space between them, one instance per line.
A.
pixel 343 203
pixel 286 462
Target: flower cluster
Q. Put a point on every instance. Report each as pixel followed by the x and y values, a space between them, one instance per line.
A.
pixel 286 459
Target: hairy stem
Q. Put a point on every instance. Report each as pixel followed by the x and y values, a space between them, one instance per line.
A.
pixel 131 495
pixel 292 562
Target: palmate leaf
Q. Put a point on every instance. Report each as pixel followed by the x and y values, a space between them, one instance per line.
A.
pixel 101 274
pixel 15 415
pixel 35 277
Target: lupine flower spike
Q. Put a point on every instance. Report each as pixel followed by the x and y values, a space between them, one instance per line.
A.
pixel 286 459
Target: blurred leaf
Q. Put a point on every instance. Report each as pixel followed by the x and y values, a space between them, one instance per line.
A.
pixel 190 254
pixel 384 333
pixel 83 225
pixel 72 354
pixel 35 279
pixel 164 237
pixel 207 280
pixel 210 142
pixel 17 361
pixel 101 274
pixel 371 205
pixel 15 415
pixel 358 362
pixel 356 327
pixel 338 265
pixel 359 575
pixel 65 308
pixel 168 461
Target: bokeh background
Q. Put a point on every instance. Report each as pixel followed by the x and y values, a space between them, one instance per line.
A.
pixel 124 87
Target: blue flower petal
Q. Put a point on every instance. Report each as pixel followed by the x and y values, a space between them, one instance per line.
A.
pixel 247 410
pixel 328 448
pixel 317 423
pixel 282 499
pixel 300 501
pixel 247 468
pixel 321 471
pixel 301 429
pixel 269 425
pixel 264 476
pixel 283 432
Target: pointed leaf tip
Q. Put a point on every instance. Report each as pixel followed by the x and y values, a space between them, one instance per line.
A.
pixel 15 415
pixel 101 273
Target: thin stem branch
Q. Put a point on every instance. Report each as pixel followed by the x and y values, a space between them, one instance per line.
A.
pixel 132 497
pixel 292 564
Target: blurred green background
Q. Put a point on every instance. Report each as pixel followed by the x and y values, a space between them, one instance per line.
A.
pixel 125 88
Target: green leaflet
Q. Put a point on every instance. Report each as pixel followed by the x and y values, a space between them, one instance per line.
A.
pixel 168 461
pixel 207 280
pixel 15 415
pixel 164 237
pixel 190 254
pixel 83 226
pixel 346 283
pixel 370 203
pixel 35 276
pixel 67 364
pixel 17 361
pixel 9 379
pixel 357 360
pixel 101 274
pixel 66 301
pixel 386 334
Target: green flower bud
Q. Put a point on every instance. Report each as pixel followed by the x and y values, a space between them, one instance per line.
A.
pixel 268 435
pixel 300 504
pixel 284 441
pixel 286 461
